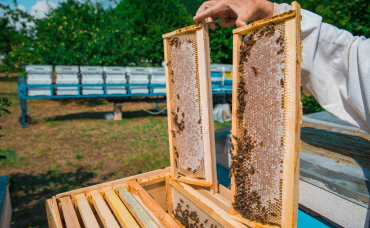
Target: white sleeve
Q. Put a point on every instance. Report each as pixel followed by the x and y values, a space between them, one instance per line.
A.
pixel 335 68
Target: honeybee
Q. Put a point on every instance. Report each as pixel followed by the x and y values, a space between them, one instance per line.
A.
pixel 255 69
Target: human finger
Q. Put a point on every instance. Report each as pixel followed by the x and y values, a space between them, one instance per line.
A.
pixel 228 23
pixel 242 20
pixel 211 11
pixel 212 25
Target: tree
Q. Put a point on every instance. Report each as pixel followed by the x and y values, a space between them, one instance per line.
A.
pixel 77 33
pixel 150 19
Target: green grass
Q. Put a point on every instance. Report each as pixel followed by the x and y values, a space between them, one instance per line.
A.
pixel 70 145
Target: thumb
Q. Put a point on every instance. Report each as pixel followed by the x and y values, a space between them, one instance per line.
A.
pixel 242 20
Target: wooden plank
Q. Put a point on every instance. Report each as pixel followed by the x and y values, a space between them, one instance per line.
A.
pixel 152 181
pixel 274 19
pixel 169 96
pixel 182 30
pixel 136 210
pixel 55 212
pixel 215 199
pixel 120 211
pixel 149 175
pixel 237 40
pixel 69 212
pixel 103 211
pixel 193 181
pixel 224 192
pixel 204 69
pixel 165 220
pixel 206 205
pixel 292 112
pixel 299 112
pixel 86 213
pixel 52 221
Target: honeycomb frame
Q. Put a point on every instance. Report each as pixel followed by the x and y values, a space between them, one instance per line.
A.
pixel 193 206
pixel 246 191
pixel 192 161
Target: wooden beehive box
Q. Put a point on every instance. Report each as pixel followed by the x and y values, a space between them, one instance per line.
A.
pixel 187 194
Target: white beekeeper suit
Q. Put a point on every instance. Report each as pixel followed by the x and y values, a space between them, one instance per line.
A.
pixel 335 68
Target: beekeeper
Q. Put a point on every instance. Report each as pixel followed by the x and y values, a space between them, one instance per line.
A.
pixel 336 64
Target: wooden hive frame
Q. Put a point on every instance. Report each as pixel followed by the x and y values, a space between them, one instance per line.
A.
pixel 292 115
pixel 205 87
pixel 211 209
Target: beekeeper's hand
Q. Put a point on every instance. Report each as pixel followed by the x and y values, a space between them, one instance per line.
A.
pixel 242 11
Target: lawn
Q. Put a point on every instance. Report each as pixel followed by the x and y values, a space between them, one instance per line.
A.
pixel 70 145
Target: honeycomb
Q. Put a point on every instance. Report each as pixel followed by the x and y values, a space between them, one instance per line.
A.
pixel 257 155
pixel 186 106
pixel 189 214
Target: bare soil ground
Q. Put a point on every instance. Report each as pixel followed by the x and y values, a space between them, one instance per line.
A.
pixel 70 145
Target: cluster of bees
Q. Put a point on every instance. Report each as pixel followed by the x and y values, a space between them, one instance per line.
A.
pixel 174 41
pixel 180 126
pixel 189 219
pixel 246 202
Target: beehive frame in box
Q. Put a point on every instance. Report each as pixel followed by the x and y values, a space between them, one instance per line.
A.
pixel 189 105
pixel 195 206
pixel 266 121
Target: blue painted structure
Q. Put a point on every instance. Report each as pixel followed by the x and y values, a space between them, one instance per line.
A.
pixel 23 96
pixel 3 186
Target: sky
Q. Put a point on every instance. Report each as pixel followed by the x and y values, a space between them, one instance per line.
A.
pixel 38 8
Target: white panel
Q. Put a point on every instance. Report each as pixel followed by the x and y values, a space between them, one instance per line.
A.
pixel 333 207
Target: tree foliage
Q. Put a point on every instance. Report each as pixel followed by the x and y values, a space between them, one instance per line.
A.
pixel 150 19
pixel 76 33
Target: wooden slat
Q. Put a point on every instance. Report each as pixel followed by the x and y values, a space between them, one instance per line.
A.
pixel 56 211
pixel 237 40
pixel 161 216
pixel 104 213
pixel 69 213
pixel 182 30
pixel 292 80
pixel 169 99
pixel 205 83
pixel 86 213
pixel 133 206
pixel 149 176
pixel 206 205
pixel 215 199
pixel 278 18
pixel 297 8
pixel 54 220
pixel 120 211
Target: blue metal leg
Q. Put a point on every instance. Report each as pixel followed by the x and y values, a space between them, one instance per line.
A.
pixel 156 104
pixel 22 112
pixel 25 107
